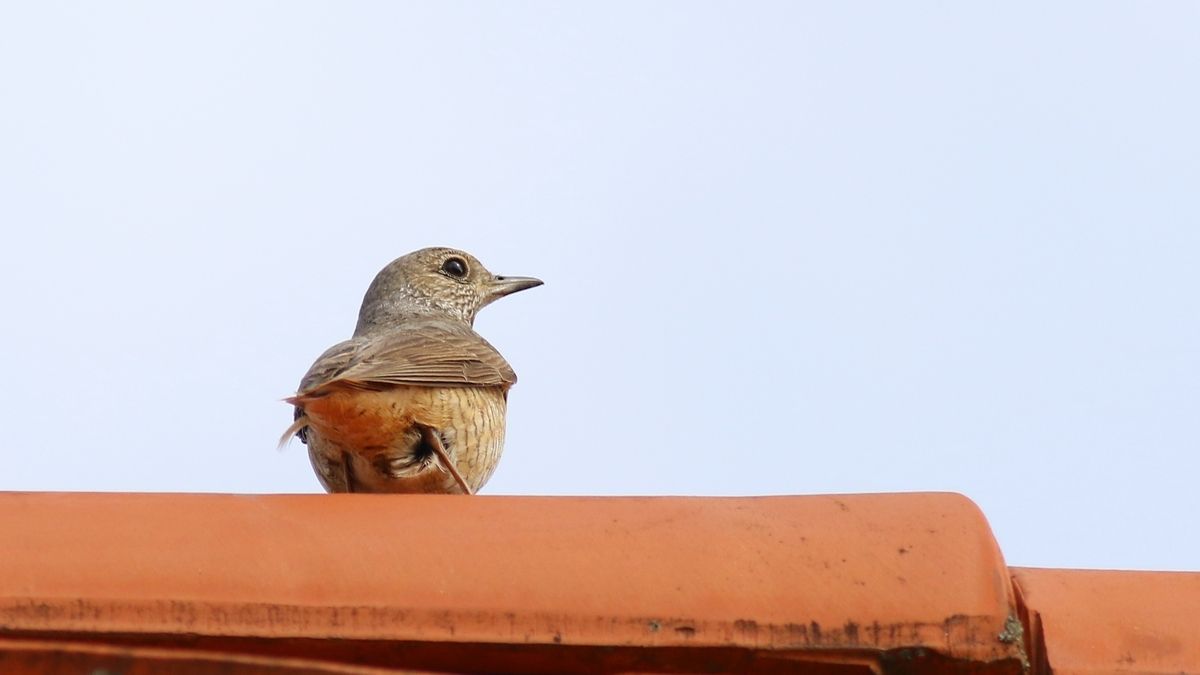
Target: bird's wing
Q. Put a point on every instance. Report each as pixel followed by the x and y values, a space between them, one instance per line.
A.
pixel 329 364
pixel 429 354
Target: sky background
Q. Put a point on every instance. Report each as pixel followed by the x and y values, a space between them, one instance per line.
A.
pixel 788 248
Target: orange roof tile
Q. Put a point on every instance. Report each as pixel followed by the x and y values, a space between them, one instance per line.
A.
pixel 329 583
pixel 1095 621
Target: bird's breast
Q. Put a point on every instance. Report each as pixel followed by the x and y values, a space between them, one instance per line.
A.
pixel 380 431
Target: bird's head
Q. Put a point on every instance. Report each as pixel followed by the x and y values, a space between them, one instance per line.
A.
pixel 434 281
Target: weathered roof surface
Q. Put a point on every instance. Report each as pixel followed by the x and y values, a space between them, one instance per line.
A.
pixel 358 583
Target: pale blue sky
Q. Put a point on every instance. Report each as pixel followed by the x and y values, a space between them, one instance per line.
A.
pixel 840 247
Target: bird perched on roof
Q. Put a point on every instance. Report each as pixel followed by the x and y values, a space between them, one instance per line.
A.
pixel 415 400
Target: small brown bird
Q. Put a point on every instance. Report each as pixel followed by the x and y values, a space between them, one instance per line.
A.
pixel 415 400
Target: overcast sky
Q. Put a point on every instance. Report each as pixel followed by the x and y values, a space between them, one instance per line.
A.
pixel 788 249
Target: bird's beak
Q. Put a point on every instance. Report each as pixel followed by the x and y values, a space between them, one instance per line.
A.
pixel 502 286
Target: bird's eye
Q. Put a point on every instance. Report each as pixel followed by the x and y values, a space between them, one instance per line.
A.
pixel 455 267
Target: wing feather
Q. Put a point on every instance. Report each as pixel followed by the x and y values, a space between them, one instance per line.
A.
pixel 432 353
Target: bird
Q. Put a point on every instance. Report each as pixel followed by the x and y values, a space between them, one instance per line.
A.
pixel 415 400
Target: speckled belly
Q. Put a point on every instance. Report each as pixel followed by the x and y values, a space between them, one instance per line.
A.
pixel 376 437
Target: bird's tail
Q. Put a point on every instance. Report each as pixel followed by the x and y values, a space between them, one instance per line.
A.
pixel 300 423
